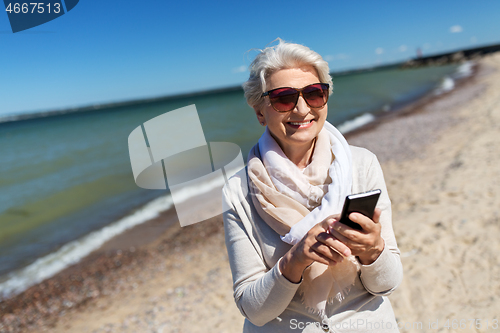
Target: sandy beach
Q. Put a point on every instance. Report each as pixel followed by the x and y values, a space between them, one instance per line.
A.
pixel 440 160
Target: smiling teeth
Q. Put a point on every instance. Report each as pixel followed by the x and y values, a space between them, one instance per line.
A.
pixel 301 123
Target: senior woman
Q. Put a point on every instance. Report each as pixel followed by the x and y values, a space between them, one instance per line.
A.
pixel 295 267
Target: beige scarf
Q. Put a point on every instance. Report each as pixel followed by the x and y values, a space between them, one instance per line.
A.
pixel 291 201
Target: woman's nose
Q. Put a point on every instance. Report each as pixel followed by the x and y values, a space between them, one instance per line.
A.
pixel 301 108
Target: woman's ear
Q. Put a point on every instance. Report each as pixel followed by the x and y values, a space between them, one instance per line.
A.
pixel 260 116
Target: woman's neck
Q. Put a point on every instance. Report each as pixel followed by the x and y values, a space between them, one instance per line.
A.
pixel 300 155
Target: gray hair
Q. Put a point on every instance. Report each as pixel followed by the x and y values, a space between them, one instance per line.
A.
pixel 281 56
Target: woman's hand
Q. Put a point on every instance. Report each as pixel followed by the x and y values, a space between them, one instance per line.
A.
pixel 366 244
pixel 317 245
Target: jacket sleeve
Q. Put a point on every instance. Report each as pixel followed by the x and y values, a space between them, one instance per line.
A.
pixel 385 274
pixel 261 293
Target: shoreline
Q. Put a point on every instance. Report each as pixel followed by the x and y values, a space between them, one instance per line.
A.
pixel 417 105
pixel 97 281
pixel 366 136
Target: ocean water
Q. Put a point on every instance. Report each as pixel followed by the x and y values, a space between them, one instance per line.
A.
pixel 66 184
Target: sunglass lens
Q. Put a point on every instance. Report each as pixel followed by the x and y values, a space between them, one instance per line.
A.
pixel 284 99
pixel 316 95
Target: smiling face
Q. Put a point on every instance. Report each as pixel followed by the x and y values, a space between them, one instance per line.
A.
pixel 295 130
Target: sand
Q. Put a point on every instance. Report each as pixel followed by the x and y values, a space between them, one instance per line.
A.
pixel 441 164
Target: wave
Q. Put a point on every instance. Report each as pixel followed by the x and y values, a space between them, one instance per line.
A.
pixel 464 70
pixel 355 123
pixel 448 82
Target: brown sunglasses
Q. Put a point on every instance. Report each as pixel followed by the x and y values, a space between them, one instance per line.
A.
pixel 285 99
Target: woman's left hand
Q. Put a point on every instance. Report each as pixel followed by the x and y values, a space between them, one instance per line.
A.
pixel 366 244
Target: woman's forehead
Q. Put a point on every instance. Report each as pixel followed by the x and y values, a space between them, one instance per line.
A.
pixel 296 77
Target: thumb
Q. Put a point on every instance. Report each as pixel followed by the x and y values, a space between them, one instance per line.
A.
pixel 376 215
pixel 329 221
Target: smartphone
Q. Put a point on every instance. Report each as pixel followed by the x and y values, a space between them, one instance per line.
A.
pixel 363 203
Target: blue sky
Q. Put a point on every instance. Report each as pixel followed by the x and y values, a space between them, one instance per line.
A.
pixel 108 51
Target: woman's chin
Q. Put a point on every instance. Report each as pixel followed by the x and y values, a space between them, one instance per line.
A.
pixel 303 134
pixel 301 139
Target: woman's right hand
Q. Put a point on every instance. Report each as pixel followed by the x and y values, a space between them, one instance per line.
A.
pixel 317 245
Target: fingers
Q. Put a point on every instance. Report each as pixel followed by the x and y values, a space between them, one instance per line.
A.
pixel 343 239
pixel 319 245
pixel 325 255
pixel 348 235
pixel 334 244
pixel 330 241
pixel 326 224
pixel 368 225
pixel 365 222
pixel 360 242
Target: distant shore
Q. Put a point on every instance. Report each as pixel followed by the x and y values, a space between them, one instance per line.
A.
pixel 440 162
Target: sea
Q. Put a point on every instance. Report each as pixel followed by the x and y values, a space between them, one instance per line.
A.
pixel 66 183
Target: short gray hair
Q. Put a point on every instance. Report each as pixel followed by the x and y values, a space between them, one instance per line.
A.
pixel 281 56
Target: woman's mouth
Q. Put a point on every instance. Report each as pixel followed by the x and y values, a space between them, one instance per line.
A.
pixel 300 124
